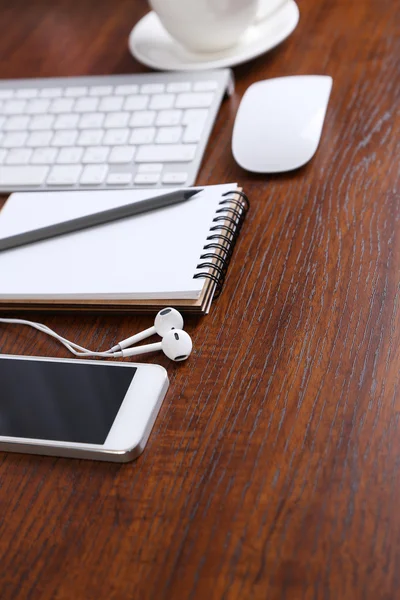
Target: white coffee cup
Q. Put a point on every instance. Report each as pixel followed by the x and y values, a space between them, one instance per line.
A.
pixel 206 25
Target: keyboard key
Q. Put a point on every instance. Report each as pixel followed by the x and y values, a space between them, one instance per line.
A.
pixel 119 179
pixel 151 168
pixel 61 105
pixel 18 156
pixel 116 137
pixel 14 107
pixel 145 135
pixel 195 116
pixel 111 103
pixel 136 102
pixel 169 135
pixel 152 88
pixel 194 100
pixel 69 156
pixel 122 154
pixel 126 90
pixel 64 175
pixel 91 120
pixel 175 178
pixel 100 90
pixel 116 119
pixel 169 117
pixel 162 101
pixel 16 124
pixel 44 156
pixel 86 104
pixel 26 93
pixel 66 121
pixel 50 92
pixel 143 118
pixel 3 155
pixel 65 137
pixel 5 94
pixel 179 86
pixel 166 153
pixel 96 154
pixel 147 178
pixel 205 86
pixel 94 174
pixel 22 176
pixel 41 122
pixel 193 133
pixel 90 137
pixel 39 139
pixel 15 139
pixel 37 106
pixel 75 92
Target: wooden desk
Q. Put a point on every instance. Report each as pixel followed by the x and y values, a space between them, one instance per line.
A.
pixel 273 468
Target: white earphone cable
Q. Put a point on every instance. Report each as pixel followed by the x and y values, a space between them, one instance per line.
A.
pixel 74 348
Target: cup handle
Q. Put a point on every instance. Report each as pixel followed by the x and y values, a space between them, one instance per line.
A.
pixel 267 8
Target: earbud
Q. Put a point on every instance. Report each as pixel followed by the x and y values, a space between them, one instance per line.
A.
pixel 176 344
pixel 166 319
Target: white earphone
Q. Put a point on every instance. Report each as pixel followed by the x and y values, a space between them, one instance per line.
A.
pixel 166 319
pixel 176 343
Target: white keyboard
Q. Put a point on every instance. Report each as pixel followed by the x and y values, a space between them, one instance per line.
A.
pixel 106 132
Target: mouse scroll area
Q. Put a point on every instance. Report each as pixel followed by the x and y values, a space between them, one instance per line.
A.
pixel 279 123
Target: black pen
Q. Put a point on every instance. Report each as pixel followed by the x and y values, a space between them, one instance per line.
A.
pixel 99 218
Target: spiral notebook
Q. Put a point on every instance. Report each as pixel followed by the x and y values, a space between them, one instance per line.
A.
pixel 177 255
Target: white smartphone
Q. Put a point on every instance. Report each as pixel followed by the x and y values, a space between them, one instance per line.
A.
pixel 78 408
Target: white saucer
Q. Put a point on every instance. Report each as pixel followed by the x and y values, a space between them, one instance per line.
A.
pixel 150 43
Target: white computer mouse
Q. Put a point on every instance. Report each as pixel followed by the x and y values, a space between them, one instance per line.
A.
pixel 279 123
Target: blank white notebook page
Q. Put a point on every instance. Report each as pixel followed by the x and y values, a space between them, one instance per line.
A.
pixel 147 256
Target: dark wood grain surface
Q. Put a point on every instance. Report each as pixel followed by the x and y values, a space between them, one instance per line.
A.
pixel 273 469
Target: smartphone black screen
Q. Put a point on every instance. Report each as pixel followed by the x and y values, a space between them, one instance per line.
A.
pixel 60 401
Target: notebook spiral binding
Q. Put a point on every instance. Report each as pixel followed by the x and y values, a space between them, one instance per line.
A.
pixel 229 221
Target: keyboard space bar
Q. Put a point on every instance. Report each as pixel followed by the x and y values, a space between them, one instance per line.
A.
pixel 22 176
